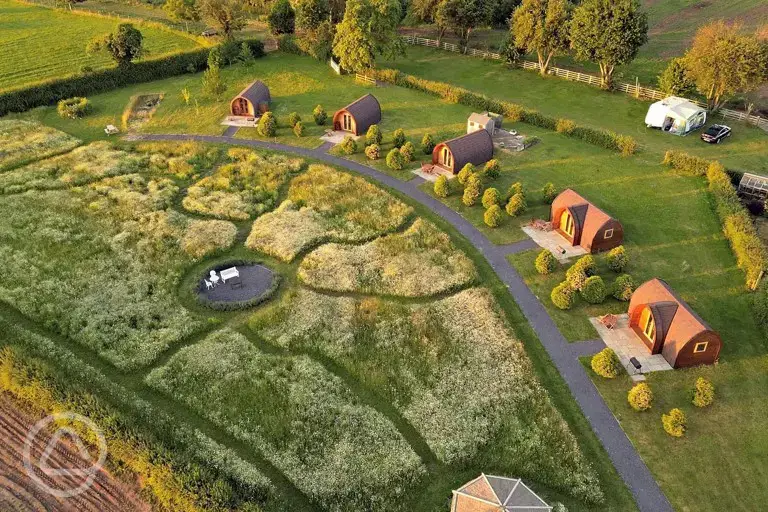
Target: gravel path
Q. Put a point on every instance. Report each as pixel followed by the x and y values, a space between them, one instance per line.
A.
pixel 564 355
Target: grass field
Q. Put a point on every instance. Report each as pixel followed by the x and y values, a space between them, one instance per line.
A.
pixel 29 32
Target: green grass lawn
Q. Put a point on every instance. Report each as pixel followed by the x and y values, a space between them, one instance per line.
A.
pixel 720 462
pixel 28 33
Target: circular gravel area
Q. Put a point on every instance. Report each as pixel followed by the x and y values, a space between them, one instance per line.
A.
pixel 255 282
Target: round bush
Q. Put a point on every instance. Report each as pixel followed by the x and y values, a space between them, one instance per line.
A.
pixel 516 205
pixel 674 422
pixel 563 296
pixel 464 173
pixel 623 287
pixel 491 197
pixel 408 151
pixel 441 187
pixel 373 135
pixel 546 263
pixel 267 126
pixel 73 108
pixel 515 188
pixel 395 160
pixel 293 118
pixel 618 259
pixel 373 152
pixel 298 129
pixel 427 144
pixel 492 169
pixel 565 126
pixel 471 190
pixel 398 138
pixel 606 364
pixel 348 145
pixel 319 115
pixel 640 397
pixel 703 393
pixel 549 192
pixel 493 216
pixel 594 290
pixel 581 270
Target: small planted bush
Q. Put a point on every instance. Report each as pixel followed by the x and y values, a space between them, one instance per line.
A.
pixel 640 397
pixel 565 126
pixel 549 193
pixel 515 188
pixel 545 262
pixel 623 287
pixel 464 173
pixel 395 160
pixel 471 190
pixel 293 118
pixel 320 115
pixel 594 290
pixel 73 108
pixel 516 205
pixel 581 270
pixel 298 129
pixel 493 216
pixel 441 187
pixel 373 152
pixel 408 151
pixel 348 146
pixel 626 145
pixel 427 144
pixel 491 197
pixel 703 393
pixel 563 296
pixel 617 259
pixel 674 423
pixel 373 135
pixel 267 126
pixel 492 169
pixel 398 138
pixel 606 364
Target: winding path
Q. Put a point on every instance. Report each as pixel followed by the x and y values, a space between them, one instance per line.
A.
pixel 564 355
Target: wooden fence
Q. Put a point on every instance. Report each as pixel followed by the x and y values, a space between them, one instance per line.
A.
pixel 632 89
pixel 365 79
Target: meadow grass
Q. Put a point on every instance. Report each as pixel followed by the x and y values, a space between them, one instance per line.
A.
pixel 24 141
pixel 28 33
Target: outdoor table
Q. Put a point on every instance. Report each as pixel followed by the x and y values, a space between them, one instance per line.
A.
pixel 214 278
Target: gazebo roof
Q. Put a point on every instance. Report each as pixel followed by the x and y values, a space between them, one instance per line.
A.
pixel 488 493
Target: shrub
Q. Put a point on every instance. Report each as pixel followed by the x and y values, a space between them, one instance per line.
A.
pixel 493 216
pixel 516 205
pixel 373 152
pixel 563 296
pixel 565 126
pixel 703 393
pixel 267 126
pixel 348 146
pixel 395 160
pixel 491 197
pixel 293 118
pixel 492 169
pixel 408 151
pixel 465 173
pixel 674 80
pixel 281 18
pixel 546 263
pixel 427 144
pixel 246 55
pixel 298 129
pixel 548 192
pixel 685 163
pixel 398 138
pixel 73 108
pixel 320 115
pixel 373 135
pixel 606 364
pixel 515 188
pixel 594 290
pixel 674 422
pixel 623 287
pixel 626 145
pixel 617 259
pixel 441 187
pixel 640 397
pixel 581 270
pixel 471 190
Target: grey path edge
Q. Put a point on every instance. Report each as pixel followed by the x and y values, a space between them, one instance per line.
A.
pixel 636 475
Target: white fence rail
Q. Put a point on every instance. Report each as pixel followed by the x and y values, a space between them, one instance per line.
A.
pixel 632 89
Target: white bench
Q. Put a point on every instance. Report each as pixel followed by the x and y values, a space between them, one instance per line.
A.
pixel 229 273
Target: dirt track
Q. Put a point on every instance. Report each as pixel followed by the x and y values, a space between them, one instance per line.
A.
pixel 20 493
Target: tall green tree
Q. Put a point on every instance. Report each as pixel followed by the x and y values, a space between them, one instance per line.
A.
pixel 228 15
pixel 311 13
pixel 463 16
pixel 182 11
pixel 609 33
pixel 424 10
pixel 123 45
pixel 281 18
pixel 541 26
pixel 723 61
pixel 369 28
pixel 674 80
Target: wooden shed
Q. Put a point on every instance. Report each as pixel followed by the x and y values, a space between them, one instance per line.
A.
pixel 358 116
pixel 584 224
pixel 474 148
pixel 668 326
pixel 488 493
pixel 252 101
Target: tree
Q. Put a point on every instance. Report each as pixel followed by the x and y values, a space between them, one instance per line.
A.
pixel 541 26
pixel 516 205
pixel 594 290
pixel 617 259
pixel 427 144
pixel 348 145
pixel 674 80
pixel 674 422
pixel 640 397
pixel 182 10
pixel 369 28
pixel 623 287
pixel 515 188
pixel 318 42
pixel 293 118
pixel 267 126
pixel 395 160
pixel 492 169
pixel 311 13
pixel 501 11
pixel 246 55
pixel 424 10
pixel 703 393
pixel 408 151
pixel 606 364
pixel 471 190
pixel 398 138
pixel 491 196
pixel 441 187
pixel 609 33
pixel 563 296
pixel 123 45
pixel 298 129
pixel 213 85
pixel 545 262
pixel 373 135
pixel 722 61
pixel 228 15
pixel 465 173
pixel 549 192
pixel 320 115
pixel 281 18
pixel 463 16
pixel 373 152
pixel 492 216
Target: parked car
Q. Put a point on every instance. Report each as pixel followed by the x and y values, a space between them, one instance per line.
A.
pixel 716 133
pixel 209 32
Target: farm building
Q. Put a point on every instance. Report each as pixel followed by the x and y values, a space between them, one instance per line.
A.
pixel 481 122
pixel 358 116
pixel 488 493
pixel 252 101
pixel 675 115
pixel 668 326
pixel 584 224
pixel 473 148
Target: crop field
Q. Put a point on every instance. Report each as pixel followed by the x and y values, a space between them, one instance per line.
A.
pixel 29 32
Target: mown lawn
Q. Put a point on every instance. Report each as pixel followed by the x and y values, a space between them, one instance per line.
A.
pixel 28 33
pixel 720 462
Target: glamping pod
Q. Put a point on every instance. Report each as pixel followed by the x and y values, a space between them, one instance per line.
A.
pixel 474 148
pixel 668 326
pixel 584 224
pixel 675 115
pixel 358 116
pixel 252 101
pixel 488 493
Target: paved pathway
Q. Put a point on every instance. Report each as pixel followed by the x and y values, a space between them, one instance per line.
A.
pixel 564 355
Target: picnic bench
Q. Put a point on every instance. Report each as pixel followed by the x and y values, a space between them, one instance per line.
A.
pixel 229 273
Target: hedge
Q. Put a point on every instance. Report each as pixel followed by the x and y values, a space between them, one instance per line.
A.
pixel 88 84
pixel 624 144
